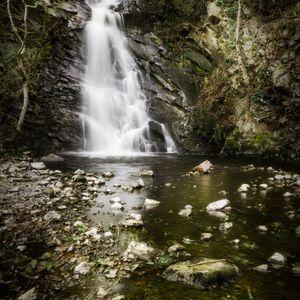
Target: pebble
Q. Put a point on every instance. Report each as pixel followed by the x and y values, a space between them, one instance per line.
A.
pixel 29 295
pixel 262 228
pixel 261 268
pixel 150 203
pixel 225 226
pixel 38 166
pixel 296 270
pixel 263 186
pixel 206 236
pixel 186 211
pixel 176 248
pixel 147 173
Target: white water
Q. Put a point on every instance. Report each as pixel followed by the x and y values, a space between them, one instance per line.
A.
pixel 115 112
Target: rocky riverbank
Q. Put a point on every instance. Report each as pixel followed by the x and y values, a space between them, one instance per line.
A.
pixel 49 249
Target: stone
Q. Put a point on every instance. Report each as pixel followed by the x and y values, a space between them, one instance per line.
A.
pixel 79 172
pixel 225 226
pixel 205 236
pixel 297 231
pixel 218 214
pixel 287 194
pixel 117 206
pixel 263 186
pixel 108 234
pixel 279 177
pixel 29 295
pixel 150 203
pixel 176 248
pixel 101 293
pixel 186 211
pixel 93 233
pixel 38 166
pixel 296 270
pixel 52 158
pixel 277 258
pixel 52 216
pixel 218 205
pixel 203 168
pixel 115 200
pixel 244 188
pixel 140 250
pixel 138 184
pixel 132 223
pixel 112 273
pixel 79 178
pixel 83 268
pixel 149 173
pixel 204 273
pixel 261 268
pixel 108 174
pixel 262 228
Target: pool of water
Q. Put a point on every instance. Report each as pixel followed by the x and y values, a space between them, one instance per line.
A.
pixel 163 226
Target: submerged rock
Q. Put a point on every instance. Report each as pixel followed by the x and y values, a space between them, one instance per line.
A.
pixel 147 173
pixel 262 228
pixel 108 174
pixel 218 205
pixel 261 268
pixel 176 248
pixel 52 158
pixel 29 295
pixel 150 203
pixel 205 236
pixel 186 211
pixel 203 168
pixel 225 226
pixel 205 273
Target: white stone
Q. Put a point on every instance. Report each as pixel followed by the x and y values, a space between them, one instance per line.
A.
pixel 83 268
pixel 132 223
pixel 287 194
pixel 135 216
pixel 140 250
pixel 51 216
pixel 29 295
pixel 218 205
pixel 102 292
pixel 244 188
pixel 108 234
pixel 117 206
pixel 218 214
pixel 186 211
pixel 150 203
pixel 206 236
pixel 38 166
pixel 279 177
pixel 93 233
pixel 277 258
pixel 225 226
pixel 262 228
pixel 147 173
pixel 176 248
pixel 115 200
pixel 261 268
pixel 79 172
pixel 263 186
pixel 108 174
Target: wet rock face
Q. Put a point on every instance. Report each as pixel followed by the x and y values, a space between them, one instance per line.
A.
pixel 205 273
pixel 52 122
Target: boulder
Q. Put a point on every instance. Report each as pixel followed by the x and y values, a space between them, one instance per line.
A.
pixel 52 158
pixel 204 273
pixel 218 205
pixel 203 168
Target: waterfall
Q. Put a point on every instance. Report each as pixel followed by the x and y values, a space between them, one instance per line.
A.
pixel 115 113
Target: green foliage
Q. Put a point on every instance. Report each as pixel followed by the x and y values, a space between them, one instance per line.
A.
pixel 81 228
pixel 163 259
pixel 204 122
pixel 230 6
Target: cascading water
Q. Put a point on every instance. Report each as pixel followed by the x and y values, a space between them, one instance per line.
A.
pixel 115 113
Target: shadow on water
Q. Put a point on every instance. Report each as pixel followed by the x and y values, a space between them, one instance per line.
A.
pixel 163 226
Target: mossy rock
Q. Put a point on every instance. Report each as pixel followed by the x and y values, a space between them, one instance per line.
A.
pixel 204 273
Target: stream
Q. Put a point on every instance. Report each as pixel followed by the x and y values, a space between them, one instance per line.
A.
pixel 243 244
